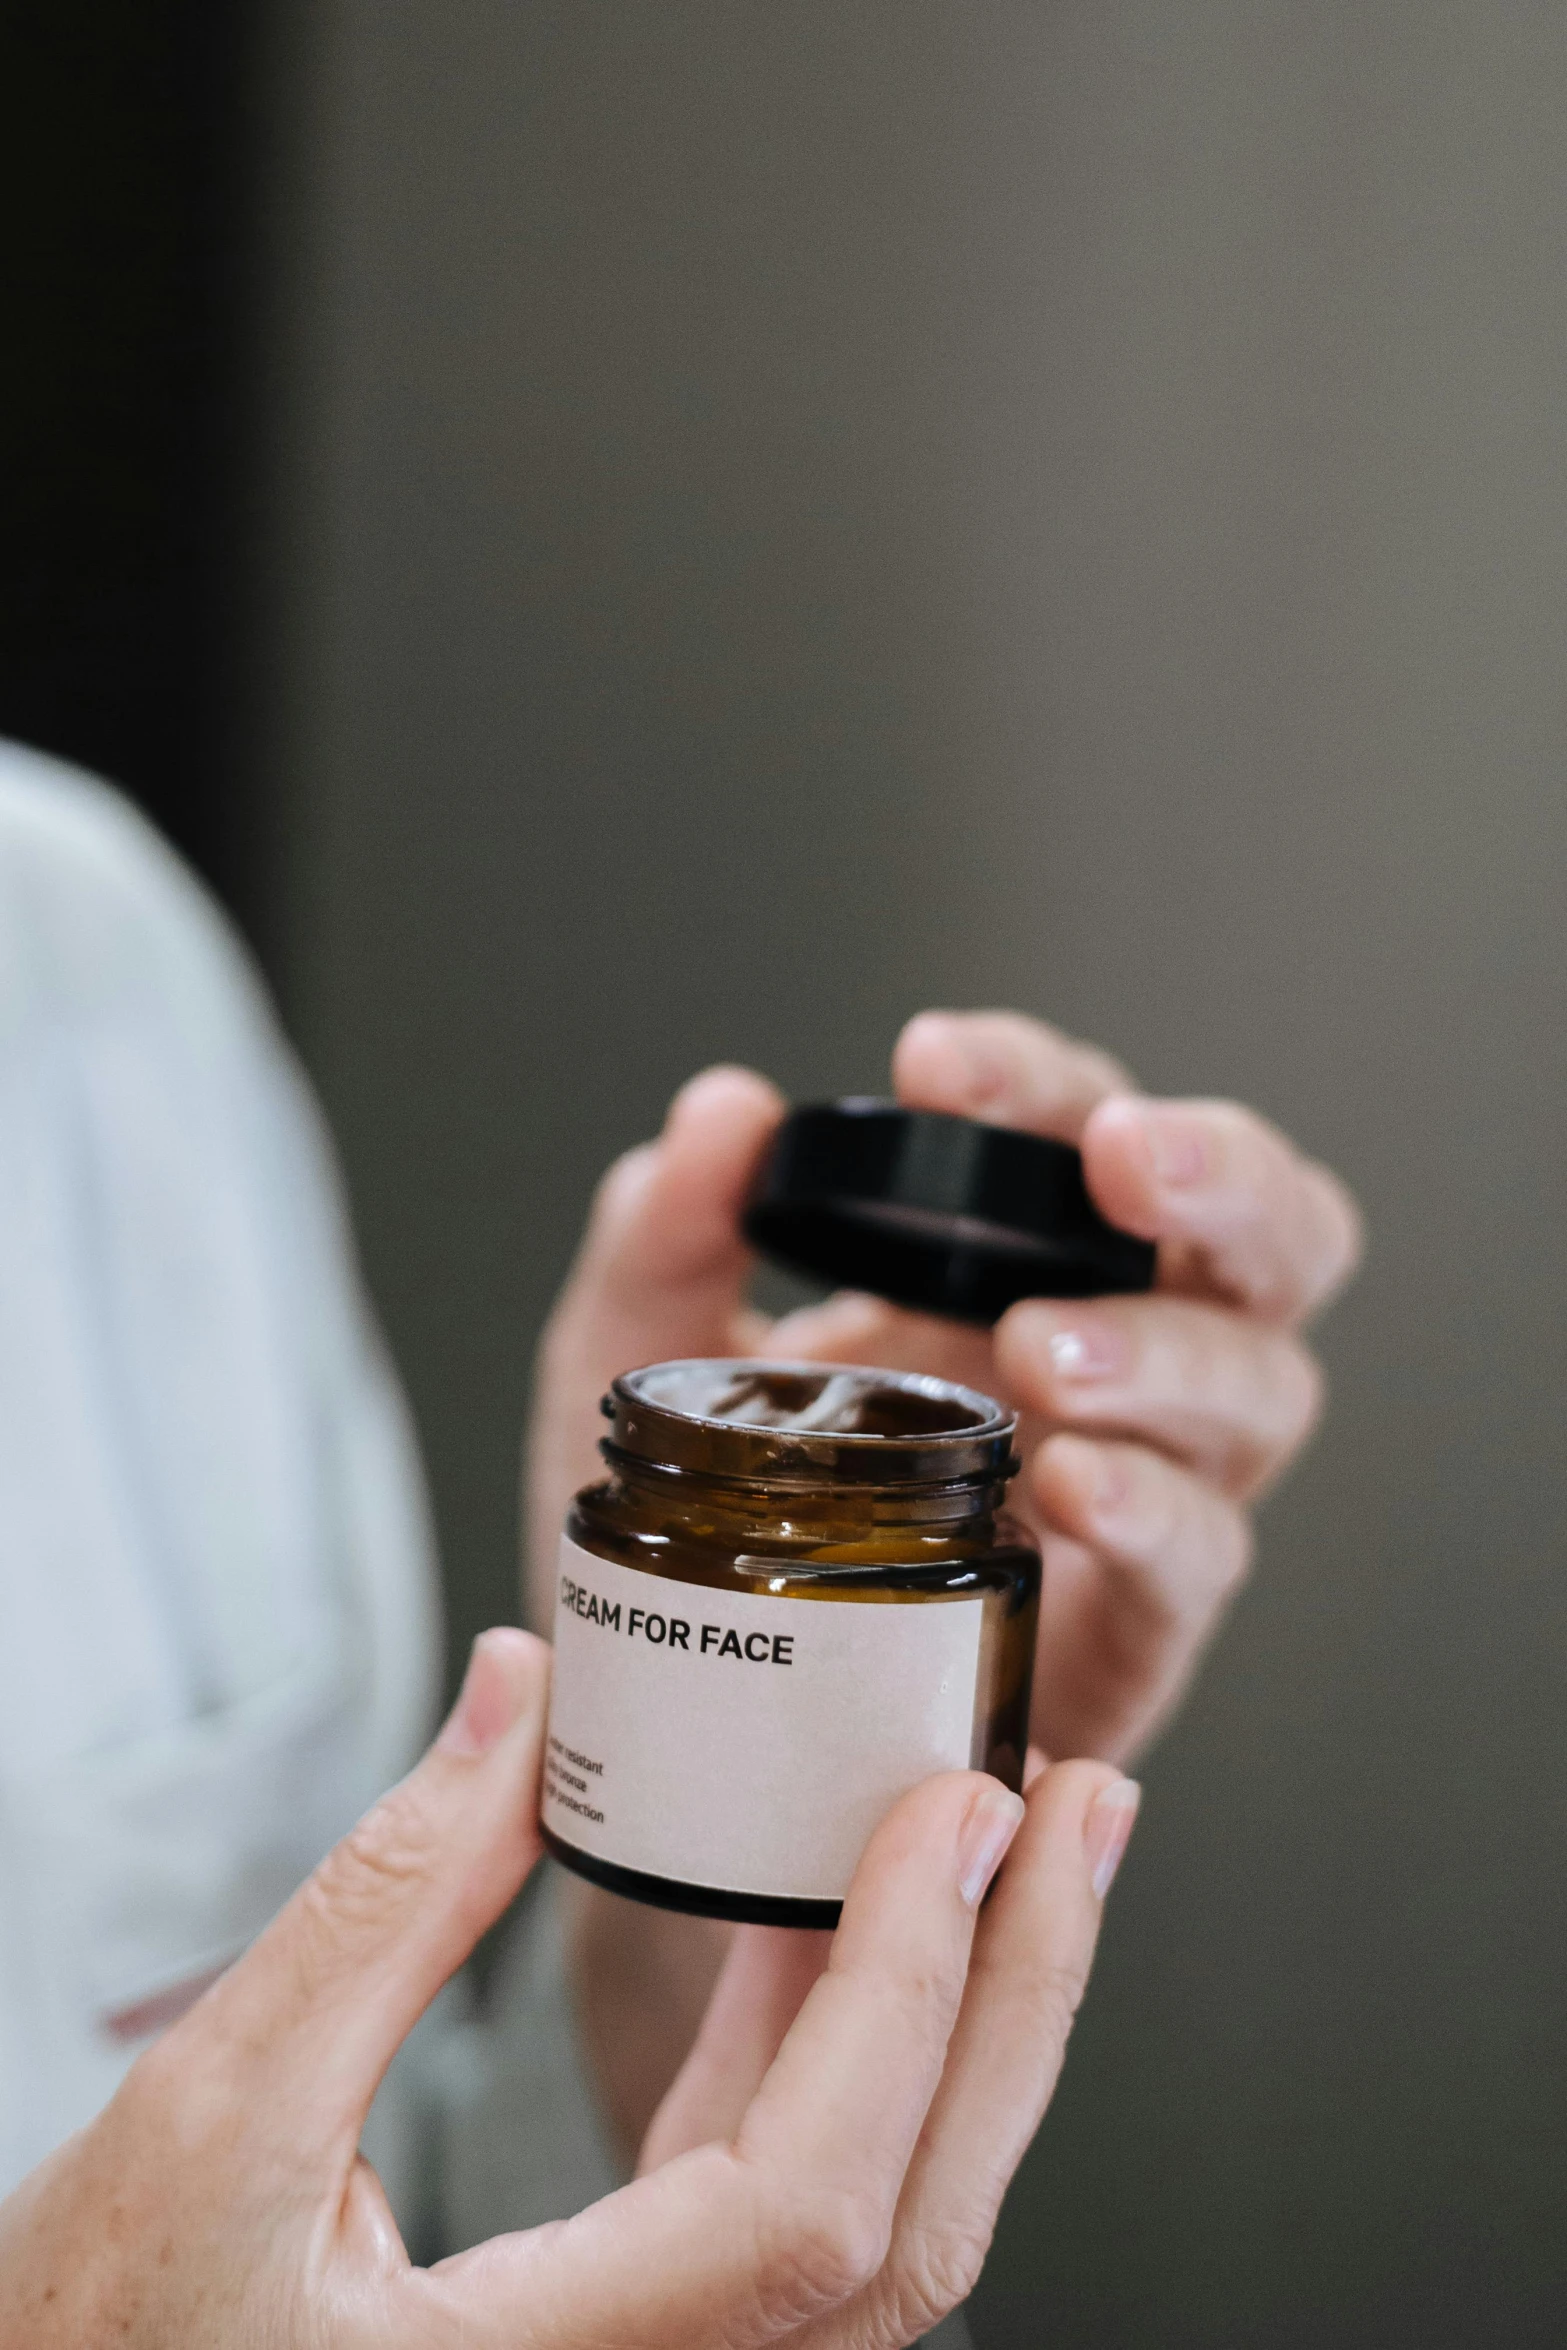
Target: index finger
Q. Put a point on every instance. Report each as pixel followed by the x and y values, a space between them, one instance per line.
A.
pixel 748 2240
pixel 1005 1068
pixel 1029 1969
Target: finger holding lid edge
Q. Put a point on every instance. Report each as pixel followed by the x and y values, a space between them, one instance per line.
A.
pixel 1005 1068
pixel 666 1213
pixel 1238 1211
pixel 1275 1232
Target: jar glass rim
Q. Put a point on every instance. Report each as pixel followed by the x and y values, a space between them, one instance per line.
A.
pixel 651 1426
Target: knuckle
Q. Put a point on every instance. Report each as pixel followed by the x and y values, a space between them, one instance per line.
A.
pixel 1279 1406
pixel 1347 1226
pixel 1055 1993
pixel 1035 1053
pixel 390 1852
pixel 1152 1538
pixel 1186 1356
pixel 1331 1215
pixel 1304 1393
pixel 1255 1144
pixel 1105 1074
pixel 1098 1073
pixel 1257 1166
pixel 1206 1528
pixel 1230 1147
pixel 943 2268
pixel 1168 1499
pixel 1039 1045
pixel 1194 1541
pixel 829 2244
pixel 926 1997
pixel 1232 1553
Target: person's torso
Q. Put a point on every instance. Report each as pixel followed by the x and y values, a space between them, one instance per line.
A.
pixel 216 1630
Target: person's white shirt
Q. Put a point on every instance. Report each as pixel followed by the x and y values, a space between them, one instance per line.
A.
pixel 218 1632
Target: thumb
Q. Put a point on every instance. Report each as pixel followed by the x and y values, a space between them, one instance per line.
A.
pixel 323 2000
pixel 664 1251
pixel 661 1273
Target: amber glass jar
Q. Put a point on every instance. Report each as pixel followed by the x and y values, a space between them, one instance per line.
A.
pixel 792 1598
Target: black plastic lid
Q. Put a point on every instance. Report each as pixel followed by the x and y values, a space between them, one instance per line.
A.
pixel 944 1214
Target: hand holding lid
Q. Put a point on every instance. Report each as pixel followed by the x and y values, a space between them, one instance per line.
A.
pixel 949 1215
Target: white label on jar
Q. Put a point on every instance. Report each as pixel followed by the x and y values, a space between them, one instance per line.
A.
pixel 740 1741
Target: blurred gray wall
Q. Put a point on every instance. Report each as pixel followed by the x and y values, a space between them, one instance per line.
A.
pixel 792 513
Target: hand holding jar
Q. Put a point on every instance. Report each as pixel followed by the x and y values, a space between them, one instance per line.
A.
pixel 825 2171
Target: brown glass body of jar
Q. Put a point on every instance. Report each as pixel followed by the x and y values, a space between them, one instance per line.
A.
pixel 717 1712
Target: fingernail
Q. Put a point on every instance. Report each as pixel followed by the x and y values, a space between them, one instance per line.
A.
pixel 1179 1146
pixel 1107 1830
pixel 993 1820
pixel 489 1700
pixel 1088 1348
